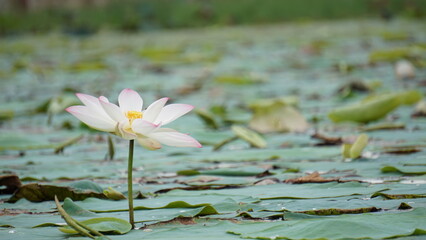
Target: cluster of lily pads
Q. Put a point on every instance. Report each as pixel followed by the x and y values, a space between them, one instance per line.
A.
pixel 313 137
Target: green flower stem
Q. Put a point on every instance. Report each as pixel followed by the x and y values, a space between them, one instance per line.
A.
pixel 130 183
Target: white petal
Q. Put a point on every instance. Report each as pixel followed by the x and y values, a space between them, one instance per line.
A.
pixel 113 111
pixel 93 104
pixel 129 100
pixel 171 112
pixel 95 121
pixel 174 139
pixel 143 127
pixel 149 143
pixel 151 113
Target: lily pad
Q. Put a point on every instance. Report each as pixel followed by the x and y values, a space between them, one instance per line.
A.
pixel 104 225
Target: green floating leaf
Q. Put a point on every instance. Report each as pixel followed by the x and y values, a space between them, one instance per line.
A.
pixel 35 192
pixel 75 210
pixel 364 112
pixel 358 146
pixel 207 118
pixel 6 114
pixel 395 36
pixel 383 126
pixel 374 107
pixel 406 170
pixel 59 103
pixel 355 150
pixel 346 226
pixel 239 79
pixel 277 115
pixel 250 136
pixel 113 194
pixel 157 53
pixel 346 149
pixel 107 225
pixel 407 97
pixel 86 185
pixel 18 142
pixel 392 55
pixel 87 65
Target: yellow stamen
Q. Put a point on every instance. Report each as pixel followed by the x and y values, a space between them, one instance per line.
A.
pixel 132 115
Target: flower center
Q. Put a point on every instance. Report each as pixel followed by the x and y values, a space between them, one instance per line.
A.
pixel 132 115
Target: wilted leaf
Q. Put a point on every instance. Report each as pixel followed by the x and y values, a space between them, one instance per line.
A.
pixel 398 196
pixel 327 140
pixel 9 183
pixel 276 115
pixel 42 192
pixel 314 177
pixel 334 211
pixel 420 110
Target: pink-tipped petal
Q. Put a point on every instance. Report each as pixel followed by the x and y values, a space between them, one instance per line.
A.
pixel 171 112
pixel 143 127
pixel 87 100
pixel 102 98
pixel 113 111
pixel 149 143
pixel 175 139
pixel 151 113
pixel 129 100
pixel 93 104
pixel 85 115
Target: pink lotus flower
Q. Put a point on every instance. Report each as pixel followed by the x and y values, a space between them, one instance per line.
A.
pixel 130 122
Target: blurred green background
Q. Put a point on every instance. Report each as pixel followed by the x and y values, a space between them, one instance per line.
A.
pixel 89 16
